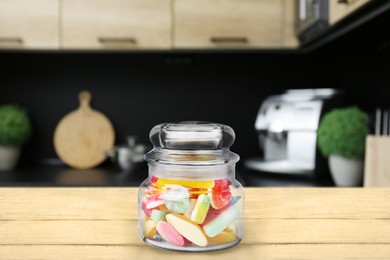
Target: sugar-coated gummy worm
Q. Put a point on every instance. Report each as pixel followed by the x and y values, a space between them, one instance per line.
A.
pixel 218 224
pixel 150 229
pixel 158 215
pixel 169 234
pixel 178 206
pixel 187 229
pixel 190 208
pixel 200 184
pixel 201 208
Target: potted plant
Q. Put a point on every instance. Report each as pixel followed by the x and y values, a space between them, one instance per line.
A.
pixel 15 130
pixel 341 137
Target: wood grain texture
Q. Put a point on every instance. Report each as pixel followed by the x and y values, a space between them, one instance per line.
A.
pixel 120 203
pixel 146 22
pixel 241 251
pixel 35 22
pixel 280 223
pixel 267 231
pixel 290 39
pixel 83 136
pixel 377 163
pixel 197 21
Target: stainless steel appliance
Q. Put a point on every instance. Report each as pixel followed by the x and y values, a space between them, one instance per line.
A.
pixel 287 129
pixel 312 18
pixel 128 157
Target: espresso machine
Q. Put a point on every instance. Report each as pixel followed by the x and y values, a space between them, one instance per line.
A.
pixel 286 126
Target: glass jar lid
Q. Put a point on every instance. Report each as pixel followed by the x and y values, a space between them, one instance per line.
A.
pixel 193 143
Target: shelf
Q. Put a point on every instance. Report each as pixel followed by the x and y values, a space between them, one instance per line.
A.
pixel 63 176
pixel 106 176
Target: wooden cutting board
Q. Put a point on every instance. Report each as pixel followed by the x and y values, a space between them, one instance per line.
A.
pixel 82 136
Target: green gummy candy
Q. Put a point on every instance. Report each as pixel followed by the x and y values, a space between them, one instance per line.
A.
pixel 218 224
pixel 178 206
pixel 158 215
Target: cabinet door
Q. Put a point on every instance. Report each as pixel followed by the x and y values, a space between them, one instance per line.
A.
pixel 338 9
pixel 116 24
pixel 289 33
pixel 227 23
pixel 29 24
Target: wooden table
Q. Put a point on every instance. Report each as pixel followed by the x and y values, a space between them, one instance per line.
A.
pixel 280 223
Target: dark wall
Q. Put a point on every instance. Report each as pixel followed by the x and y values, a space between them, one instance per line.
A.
pixel 137 91
pixel 362 59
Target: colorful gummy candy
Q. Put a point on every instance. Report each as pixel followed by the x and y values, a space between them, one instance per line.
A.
pixel 153 201
pixel 190 208
pixel 147 211
pixel 168 233
pixel 220 194
pixel 201 208
pixel 176 198
pixel 178 206
pixel 225 236
pixel 213 214
pixel 217 225
pixel 185 183
pixel 186 212
pixel 158 215
pixel 187 229
pixel 150 229
pixel 234 200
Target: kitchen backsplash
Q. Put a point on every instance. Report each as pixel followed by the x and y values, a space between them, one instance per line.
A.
pixel 138 90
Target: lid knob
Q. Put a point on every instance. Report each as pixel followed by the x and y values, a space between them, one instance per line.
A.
pixel 192 135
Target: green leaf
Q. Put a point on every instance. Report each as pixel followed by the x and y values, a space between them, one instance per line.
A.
pixel 343 132
pixel 15 125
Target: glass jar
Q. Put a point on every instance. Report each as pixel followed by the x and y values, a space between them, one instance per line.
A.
pixel 191 200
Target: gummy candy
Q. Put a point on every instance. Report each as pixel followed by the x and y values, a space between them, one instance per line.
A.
pixel 201 208
pixel 198 184
pixel 217 225
pixel 191 212
pixel 187 229
pixel 158 215
pixel 168 233
pixel 150 229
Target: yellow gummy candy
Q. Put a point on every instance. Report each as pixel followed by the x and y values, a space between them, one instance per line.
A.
pixel 224 237
pixel 187 229
pixel 189 184
pixel 201 208
pixel 150 229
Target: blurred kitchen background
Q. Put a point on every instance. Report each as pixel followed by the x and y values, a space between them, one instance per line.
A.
pixel 151 61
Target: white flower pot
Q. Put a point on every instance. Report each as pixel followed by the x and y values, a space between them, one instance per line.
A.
pixel 9 156
pixel 347 172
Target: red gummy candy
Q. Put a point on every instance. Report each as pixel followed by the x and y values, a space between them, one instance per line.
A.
pixel 186 241
pixel 220 199
pixel 220 194
pixel 146 201
pixel 222 184
pixel 147 211
pixel 213 213
pixel 153 197
pixel 154 179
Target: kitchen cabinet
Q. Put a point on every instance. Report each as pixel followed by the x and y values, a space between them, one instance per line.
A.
pixel 116 24
pixel 338 9
pixel 26 24
pixel 146 24
pixel 231 23
pixel 289 35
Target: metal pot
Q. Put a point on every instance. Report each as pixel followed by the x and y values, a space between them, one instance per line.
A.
pixel 128 157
